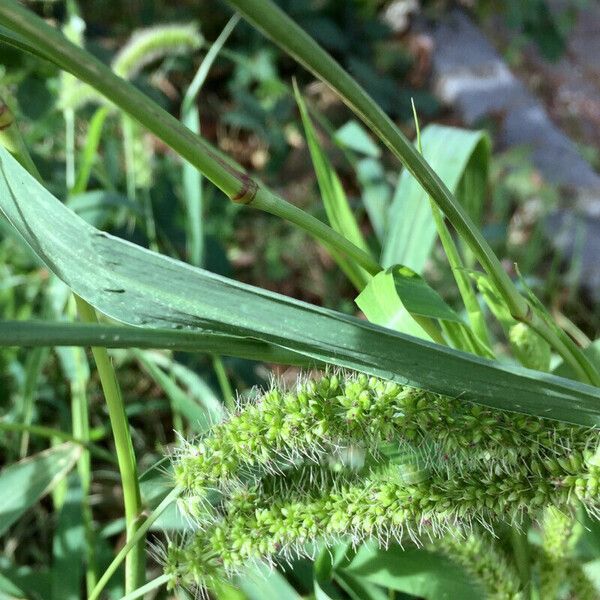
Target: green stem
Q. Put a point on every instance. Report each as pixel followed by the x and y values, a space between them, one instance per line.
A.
pixel 134 566
pixel 226 389
pixel 223 172
pixel 50 433
pixel 81 429
pixel 152 585
pixel 131 543
pixel 266 200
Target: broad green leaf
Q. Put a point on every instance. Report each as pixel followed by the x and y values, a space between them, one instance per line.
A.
pixel 142 288
pixel 393 296
pixel 355 137
pixel 334 199
pixel 263 583
pixel 9 591
pixel 23 483
pixel 68 545
pixel 461 159
pixel 359 588
pixel 376 194
pixel 414 571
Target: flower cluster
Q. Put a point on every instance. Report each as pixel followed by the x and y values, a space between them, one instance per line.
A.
pixel 320 418
pixel 286 474
pixel 480 555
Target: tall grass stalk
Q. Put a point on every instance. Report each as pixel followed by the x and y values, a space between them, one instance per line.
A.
pixel 135 540
pixel 135 561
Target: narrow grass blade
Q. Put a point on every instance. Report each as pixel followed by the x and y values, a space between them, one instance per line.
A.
pixel 23 483
pixel 127 283
pixel 90 150
pixel 400 299
pixel 457 156
pixel 334 197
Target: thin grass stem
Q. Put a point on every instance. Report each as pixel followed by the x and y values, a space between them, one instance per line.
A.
pixel 133 542
pixel 135 564
pixel 50 433
pixel 224 384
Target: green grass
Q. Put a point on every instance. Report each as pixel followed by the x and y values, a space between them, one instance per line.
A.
pixel 457 401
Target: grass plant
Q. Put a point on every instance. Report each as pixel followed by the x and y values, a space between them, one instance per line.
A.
pixel 432 433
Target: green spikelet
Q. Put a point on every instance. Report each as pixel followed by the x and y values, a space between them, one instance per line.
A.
pixel 557 529
pixel 281 476
pixel 531 350
pixel 144 47
pixel 148 45
pixel 391 504
pixel 478 553
pixel 319 417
